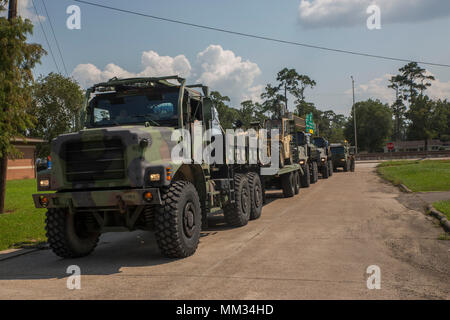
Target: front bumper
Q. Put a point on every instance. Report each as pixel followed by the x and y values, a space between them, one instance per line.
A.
pixel 101 198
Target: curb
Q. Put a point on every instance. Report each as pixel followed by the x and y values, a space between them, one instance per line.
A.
pixel 440 216
pixel 404 188
pixel 13 253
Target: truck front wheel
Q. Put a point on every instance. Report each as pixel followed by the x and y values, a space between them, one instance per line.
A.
pixel 297 182
pixel 256 195
pixel 178 220
pixel 288 184
pixel 306 177
pixel 314 173
pixel 67 234
pixel 330 167
pixel 325 172
pixel 237 214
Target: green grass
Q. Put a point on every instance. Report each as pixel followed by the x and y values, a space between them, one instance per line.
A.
pixel 444 207
pixel 426 175
pixel 22 224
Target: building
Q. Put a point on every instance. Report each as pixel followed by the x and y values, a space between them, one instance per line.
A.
pixel 417 145
pixel 24 167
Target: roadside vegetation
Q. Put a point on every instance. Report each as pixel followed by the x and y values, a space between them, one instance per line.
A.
pixel 419 176
pixel 444 207
pixel 22 224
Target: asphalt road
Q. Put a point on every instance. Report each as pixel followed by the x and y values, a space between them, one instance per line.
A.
pixel 316 245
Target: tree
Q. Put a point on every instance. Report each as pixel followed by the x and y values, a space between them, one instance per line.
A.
pixel 250 112
pixel 288 79
pixel 273 101
pixel 227 115
pixel 17 59
pixel 428 119
pixel 412 80
pixel 299 92
pixel 374 125
pixel 57 101
pixel 398 108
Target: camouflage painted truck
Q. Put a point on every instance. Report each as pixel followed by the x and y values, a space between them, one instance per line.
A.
pixel 309 157
pixel 117 174
pixel 326 163
pixel 343 157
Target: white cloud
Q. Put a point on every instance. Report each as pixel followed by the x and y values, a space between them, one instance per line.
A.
pixel 153 65
pixel 337 13
pixel 25 9
pixel 156 65
pixel 88 74
pixel 378 89
pixel 222 70
pixel 215 67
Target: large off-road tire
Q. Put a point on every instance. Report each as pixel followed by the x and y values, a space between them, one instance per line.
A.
pixel 314 173
pixel 178 220
pixel 297 182
pixel 325 171
pixel 237 214
pixel 330 167
pixel 67 234
pixel 288 184
pixel 346 166
pixel 256 195
pixel 306 178
pixel 352 166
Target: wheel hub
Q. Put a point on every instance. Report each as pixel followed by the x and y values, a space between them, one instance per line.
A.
pixel 189 219
pixel 245 200
pixel 258 199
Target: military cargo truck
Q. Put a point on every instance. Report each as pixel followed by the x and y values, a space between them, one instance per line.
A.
pixel 117 173
pixel 309 157
pixel 325 164
pixel 284 139
pixel 343 157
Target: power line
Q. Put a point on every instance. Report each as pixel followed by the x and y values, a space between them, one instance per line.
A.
pixel 54 36
pixel 248 35
pixel 45 36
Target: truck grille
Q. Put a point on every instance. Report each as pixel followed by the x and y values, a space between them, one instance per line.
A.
pixel 94 160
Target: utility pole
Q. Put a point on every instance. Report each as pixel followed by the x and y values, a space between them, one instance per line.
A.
pixel 12 14
pixel 354 115
pixel 12 11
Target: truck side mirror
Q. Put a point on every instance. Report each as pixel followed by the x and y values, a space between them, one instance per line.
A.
pixel 41 165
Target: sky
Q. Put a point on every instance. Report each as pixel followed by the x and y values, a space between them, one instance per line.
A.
pixel 112 44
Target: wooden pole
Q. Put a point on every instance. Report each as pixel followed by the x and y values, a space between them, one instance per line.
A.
pixel 12 14
pixel 12 11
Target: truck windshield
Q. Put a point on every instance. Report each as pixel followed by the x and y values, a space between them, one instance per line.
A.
pixel 119 109
pixel 337 150
pixel 319 142
pixel 301 138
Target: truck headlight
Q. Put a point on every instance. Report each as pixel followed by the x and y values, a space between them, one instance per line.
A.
pixel 323 159
pixel 44 183
pixel 155 177
pixel 302 162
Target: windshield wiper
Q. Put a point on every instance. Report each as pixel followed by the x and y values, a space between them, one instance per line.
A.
pixel 146 116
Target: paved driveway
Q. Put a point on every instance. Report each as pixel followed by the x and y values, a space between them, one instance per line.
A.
pixel 316 245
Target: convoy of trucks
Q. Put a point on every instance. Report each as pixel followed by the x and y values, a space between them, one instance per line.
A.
pixel 118 173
